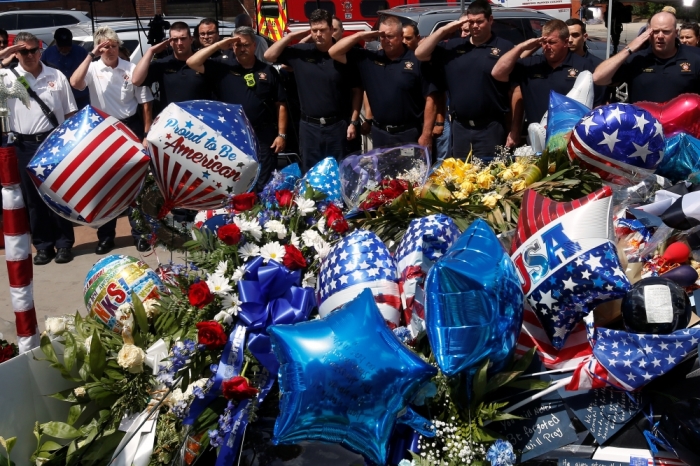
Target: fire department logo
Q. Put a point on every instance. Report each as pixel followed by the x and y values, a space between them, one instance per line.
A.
pixel 573 72
pixel 495 51
pixel 408 65
pixel 262 76
pixel 685 67
pixel 52 84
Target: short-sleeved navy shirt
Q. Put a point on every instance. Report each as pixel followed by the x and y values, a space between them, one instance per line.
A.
pixel 324 84
pixel 536 78
pixel 259 102
pixel 474 93
pixel 396 89
pixel 177 82
pixel 67 64
pixel 659 80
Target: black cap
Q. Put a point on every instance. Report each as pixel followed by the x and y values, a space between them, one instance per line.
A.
pixel 63 37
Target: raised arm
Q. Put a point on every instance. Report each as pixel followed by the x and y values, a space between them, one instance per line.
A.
pixel 505 65
pixel 77 79
pixel 196 61
pixel 604 73
pixel 428 44
pixel 339 51
pixel 141 70
pixel 276 49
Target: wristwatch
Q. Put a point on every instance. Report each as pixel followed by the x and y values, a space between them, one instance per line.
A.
pixel 283 136
pixel 629 50
pixel 439 123
pixel 355 122
pixel 92 55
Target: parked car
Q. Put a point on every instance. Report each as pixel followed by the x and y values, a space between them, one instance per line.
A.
pixel 42 23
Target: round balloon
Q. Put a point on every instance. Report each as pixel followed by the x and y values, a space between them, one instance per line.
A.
pixel 681 114
pixel 622 143
pixel 90 169
pixel 111 282
pixel 204 215
pixel 203 151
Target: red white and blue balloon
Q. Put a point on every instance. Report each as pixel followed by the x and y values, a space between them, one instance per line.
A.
pixel 203 151
pixel 359 261
pixel 622 143
pixel 324 177
pixel 90 169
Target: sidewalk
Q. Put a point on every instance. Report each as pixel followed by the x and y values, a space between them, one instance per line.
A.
pixel 58 288
pixel 629 31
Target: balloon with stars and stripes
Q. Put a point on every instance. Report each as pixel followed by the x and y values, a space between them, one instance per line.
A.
pixel 90 169
pixel 359 261
pixel 324 177
pixel 203 152
pixel 622 143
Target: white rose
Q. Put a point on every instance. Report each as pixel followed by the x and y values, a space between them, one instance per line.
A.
pixel 131 357
pixel 79 392
pixel 224 318
pixel 55 325
pixel 174 398
pixel 88 342
pixel 150 306
pixel 125 316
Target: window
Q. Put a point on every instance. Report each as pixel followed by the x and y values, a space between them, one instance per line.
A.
pixel 509 29
pixel 536 25
pixel 8 22
pixel 269 10
pixel 369 8
pixel 64 20
pixel 35 21
pixel 310 6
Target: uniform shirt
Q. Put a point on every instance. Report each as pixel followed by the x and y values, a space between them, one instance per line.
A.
pixel 259 102
pixel 112 91
pixel 67 64
pixel 474 93
pixel 324 84
pixel 52 87
pixel 659 80
pixel 177 82
pixel 536 78
pixel 396 89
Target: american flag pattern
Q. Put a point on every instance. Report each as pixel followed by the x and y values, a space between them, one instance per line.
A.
pixel 569 265
pixel 204 215
pixel 426 240
pixel 630 360
pixel 359 261
pixel 90 169
pixel 203 152
pixel 621 142
pixel 324 177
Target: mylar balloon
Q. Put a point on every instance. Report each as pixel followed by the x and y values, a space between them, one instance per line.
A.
pixel 682 157
pixel 359 261
pixel 566 259
pixel 324 177
pixel 676 253
pixel 203 151
pixel 345 379
pixel 678 115
pixel 473 303
pixel 90 169
pixel 204 215
pixel 656 305
pixel 112 280
pixel 426 240
pixel 563 115
pixel 622 143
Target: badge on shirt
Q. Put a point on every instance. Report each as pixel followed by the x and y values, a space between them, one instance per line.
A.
pixel 262 76
pixel 52 84
pixel 648 70
pixel 573 72
pixel 685 67
pixel 408 65
pixel 376 62
pixel 495 51
pixel 310 60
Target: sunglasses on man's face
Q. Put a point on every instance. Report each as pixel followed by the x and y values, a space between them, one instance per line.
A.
pixel 25 52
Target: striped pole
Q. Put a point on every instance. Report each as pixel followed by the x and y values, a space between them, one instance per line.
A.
pixel 18 251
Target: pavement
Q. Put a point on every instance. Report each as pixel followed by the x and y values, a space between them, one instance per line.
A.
pixel 58 288
pixel 629 31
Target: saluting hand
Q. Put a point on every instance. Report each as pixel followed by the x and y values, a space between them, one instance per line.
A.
pixel 100 48
pixel 278 144
pixel 640 40
pixel 368 36
pixel 228 43
pixel 160 47
pixel 4 53
pixel 454 26
pixel 532 44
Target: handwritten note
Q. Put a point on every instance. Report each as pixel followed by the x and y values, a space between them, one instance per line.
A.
pixel 588 462
pixel 604 411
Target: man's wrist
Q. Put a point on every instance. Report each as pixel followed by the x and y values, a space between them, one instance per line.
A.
pixel 282 135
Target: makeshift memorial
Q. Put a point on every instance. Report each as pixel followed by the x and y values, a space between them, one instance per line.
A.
pixel 202 152
pixel 680 114
pixel 656 305
pixel 90 169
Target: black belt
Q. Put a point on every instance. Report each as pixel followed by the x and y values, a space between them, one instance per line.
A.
pixel 393 129
pixel 38 137
pixel 476 122
pixel 131 119
pixel 320 121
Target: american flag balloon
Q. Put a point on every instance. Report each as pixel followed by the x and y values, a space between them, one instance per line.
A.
pixel 90 169
pixel 324 177
pixel 566 259
pixel 622 143
pixel 426 240
pixel 359 261
pixel 203 152
pixel 204 215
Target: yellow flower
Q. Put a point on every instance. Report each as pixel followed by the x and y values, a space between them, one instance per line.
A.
pixel 466 188
pixel 490 200
pixel 519 185
pixel 517 168
pixel 507 174
pixel 484 179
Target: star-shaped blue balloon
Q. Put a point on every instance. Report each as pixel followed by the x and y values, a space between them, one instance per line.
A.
pixel 345 379
pixel 324 177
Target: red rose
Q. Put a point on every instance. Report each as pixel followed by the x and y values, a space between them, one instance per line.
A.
pixel 6 353
pixel 237 389
pixel 243 202
pixel 200 295
pixel 284 197
pixel 335 219
pixel 293 259
pixel 230 234
pixel 211 334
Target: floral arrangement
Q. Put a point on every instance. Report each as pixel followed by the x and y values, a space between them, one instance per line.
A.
pixel 7 350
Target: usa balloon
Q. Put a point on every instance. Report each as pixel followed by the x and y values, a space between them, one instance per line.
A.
pixel 90 169
pixel 324 177
pixel 203 151
pixel 678 115
pixel 474 303
pixel 345 379
pixel 111 282
pixel 622 143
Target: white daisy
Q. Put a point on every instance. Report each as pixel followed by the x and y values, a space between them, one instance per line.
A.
pixel 275 226
pixel 251 227
pixel 218 284
pixel 310 237
pixel 272 251
pixel 248 251
pixel 321 225
pixel 294 240
pixel 306 206
pixel 322 249
pixel 231 304
pixel 239 273
pixel 309 280
pixel 221 268
pixel 224 318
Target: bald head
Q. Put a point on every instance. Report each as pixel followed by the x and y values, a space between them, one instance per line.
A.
pixel 663 36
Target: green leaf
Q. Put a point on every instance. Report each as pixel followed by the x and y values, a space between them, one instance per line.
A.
pixel 50 445
pixel 500 379
pixel 139 313
pixel 505 417
pixel 47 349
pixel 9 444
pixel 479 383
pixel 98 357
pixel 523 363
pixel 60 430
pixel 74 413
pixel 528 384
pixel 69 353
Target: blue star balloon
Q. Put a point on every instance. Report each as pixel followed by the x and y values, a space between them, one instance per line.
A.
pixel 474 302
pixel 345 379
pixel 682 158
pixel 324 177
pixel 564 113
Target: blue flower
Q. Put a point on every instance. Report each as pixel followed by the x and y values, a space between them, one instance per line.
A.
pixel 501 454
pixel 403 333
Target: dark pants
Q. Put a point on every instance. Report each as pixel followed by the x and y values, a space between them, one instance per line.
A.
pixel 48 229
pixel 317 142
pixel 481 140
pixel 381 138
pixel 109 229
pixel 266 156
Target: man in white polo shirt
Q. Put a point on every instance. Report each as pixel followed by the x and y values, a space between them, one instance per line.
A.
pixel 31 126
pixel 113 92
